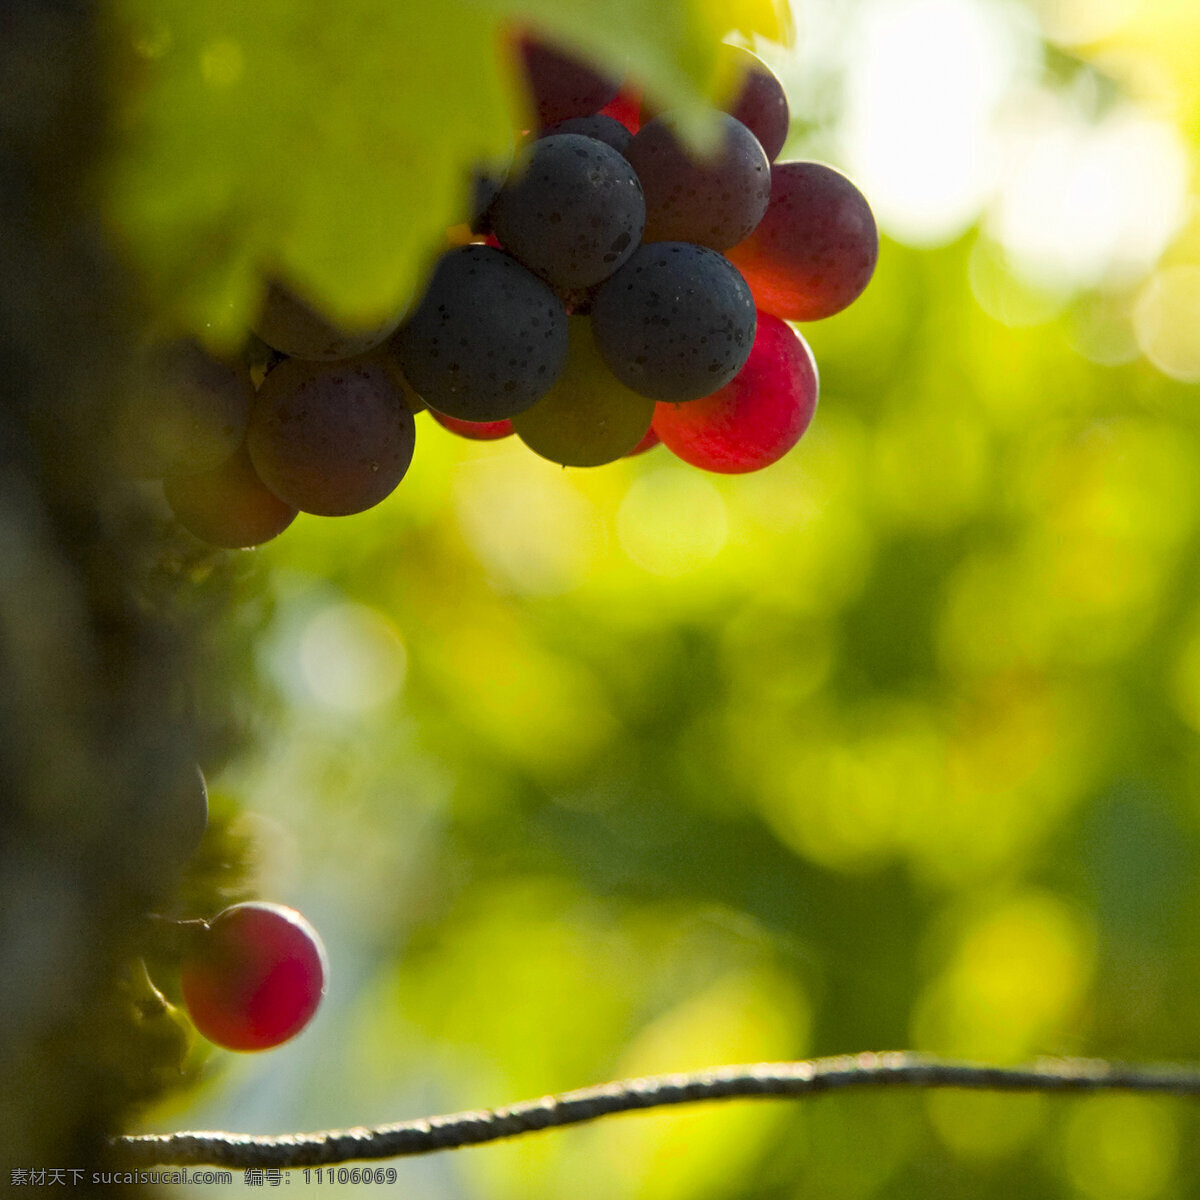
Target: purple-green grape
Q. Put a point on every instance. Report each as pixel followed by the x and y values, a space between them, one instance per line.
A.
pixel 331 438
pixel 676 322
pixel 572 210
pixel 588 417
pixel 186 412
pixel 715 201
pixel 289 325
pixel 487 340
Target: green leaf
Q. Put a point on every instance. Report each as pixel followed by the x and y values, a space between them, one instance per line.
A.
pixel 331 147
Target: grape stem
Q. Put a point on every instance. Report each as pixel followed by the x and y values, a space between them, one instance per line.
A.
pixel 866 1070
pixel 170 938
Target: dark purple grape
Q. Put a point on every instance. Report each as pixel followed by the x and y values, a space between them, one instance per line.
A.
pixel 676 322
pixel 485 187
pixel 331 438
pixel 760 103
pixel 560 86
pixel 292 327
pixel 487 340
pixel 715 201
pixel 604 129
pixel 572 210
pixel 186 412
pixel 486 181
pixel 229 506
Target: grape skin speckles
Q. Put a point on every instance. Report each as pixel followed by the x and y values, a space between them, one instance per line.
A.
pixel 676 322
pixel 572 211
pixel 487 340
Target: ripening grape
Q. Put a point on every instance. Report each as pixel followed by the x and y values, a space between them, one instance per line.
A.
pixel 331 438
pixel 476 431
pixel 186 412
pixel 760 102
pixel 289 325
pixel 560 86
pixel 600 126
pixel 572 210
pixel 715 201
pixel 814 251
pixel 487 340
pixel 255 977
pixel 676 322
pixel 754 419
pixel 587 418
pixel 229 506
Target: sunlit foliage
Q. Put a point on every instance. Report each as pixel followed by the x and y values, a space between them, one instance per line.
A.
pixel 601 772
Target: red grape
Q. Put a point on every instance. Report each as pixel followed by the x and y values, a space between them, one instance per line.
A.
pixel 754 419
pixel 477 431
pixel 815 250
pixel 229 506
pixel 254 977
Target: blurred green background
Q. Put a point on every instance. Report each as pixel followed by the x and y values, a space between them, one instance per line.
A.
pixel 585 774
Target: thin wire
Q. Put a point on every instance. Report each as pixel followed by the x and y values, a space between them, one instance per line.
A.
pixel 758 1080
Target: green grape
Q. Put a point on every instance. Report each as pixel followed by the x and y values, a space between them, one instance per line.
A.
pixel 588 417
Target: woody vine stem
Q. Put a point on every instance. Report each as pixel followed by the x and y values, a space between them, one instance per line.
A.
pixel 761 1080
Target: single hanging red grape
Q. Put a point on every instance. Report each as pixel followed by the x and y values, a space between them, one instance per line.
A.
pixel 254 977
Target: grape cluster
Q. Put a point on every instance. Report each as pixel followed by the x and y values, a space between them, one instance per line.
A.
pixel 611 290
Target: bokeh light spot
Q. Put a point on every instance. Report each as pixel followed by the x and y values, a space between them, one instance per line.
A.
pixel 672 521
pixel 352 658
pixel 1166 321
pixel 1121 1147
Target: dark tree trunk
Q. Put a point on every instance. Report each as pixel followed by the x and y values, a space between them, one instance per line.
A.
pixel 93 711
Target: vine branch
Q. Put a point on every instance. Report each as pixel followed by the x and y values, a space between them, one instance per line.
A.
pixel 423 1136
